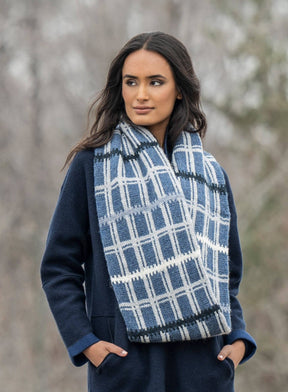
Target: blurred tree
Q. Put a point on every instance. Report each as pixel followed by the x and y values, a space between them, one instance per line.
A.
pixel 255 102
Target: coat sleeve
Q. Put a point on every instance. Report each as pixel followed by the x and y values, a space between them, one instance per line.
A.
pixel 68 245
pixel 235 265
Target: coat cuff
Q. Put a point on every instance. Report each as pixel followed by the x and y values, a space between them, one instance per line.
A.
pixel 76 350
pixel 250 344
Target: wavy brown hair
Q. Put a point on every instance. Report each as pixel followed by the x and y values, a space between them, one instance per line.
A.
pixel 108 108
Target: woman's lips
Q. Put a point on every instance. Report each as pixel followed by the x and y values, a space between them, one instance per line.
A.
pixel 142 109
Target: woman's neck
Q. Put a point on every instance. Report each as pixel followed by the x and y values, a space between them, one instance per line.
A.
pixel 159 134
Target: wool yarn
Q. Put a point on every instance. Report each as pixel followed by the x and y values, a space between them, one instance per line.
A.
pixel 165 230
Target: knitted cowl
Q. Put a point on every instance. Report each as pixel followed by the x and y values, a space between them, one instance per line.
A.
pixel 164 228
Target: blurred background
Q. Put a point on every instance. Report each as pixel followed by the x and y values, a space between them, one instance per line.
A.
pixel 53 60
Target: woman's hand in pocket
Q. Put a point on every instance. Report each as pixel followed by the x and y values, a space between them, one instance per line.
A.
pixel 234 351
pixel 99 351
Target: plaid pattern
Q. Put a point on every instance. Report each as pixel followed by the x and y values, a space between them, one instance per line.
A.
pixel 164 229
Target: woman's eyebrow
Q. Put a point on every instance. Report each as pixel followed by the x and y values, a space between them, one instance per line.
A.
pixel 148 77
pixel 130 76
pixel 157 76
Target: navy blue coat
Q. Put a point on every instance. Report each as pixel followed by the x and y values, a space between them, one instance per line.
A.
pixel 76 282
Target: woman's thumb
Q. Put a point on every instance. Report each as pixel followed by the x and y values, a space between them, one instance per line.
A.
pixel 117 350
pixel 224 353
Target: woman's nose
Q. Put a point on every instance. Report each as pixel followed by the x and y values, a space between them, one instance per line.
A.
pixel 142 94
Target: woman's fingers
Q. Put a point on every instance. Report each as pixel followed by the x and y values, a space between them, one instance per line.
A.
pixel 234 351
pixel 99 351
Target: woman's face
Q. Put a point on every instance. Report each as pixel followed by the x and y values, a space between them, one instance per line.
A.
pixel 149 90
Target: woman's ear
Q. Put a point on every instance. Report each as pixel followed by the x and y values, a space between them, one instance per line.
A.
pixel 179 96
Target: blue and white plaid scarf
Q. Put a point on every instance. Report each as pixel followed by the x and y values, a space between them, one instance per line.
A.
pixel 164 229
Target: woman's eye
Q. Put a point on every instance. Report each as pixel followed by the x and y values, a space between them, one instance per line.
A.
pixel 130 82
pixel 156 82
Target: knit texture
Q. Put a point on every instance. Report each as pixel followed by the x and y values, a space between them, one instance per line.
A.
pixel 164 229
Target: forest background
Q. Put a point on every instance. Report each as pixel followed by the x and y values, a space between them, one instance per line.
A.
pixel 53 60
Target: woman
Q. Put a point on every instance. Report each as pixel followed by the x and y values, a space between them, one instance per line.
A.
pixel 151 218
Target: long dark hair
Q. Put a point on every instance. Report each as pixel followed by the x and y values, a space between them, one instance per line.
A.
pixel 109 107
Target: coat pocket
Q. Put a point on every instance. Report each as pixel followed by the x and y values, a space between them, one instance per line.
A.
pixel 230 364
pixel 109 362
